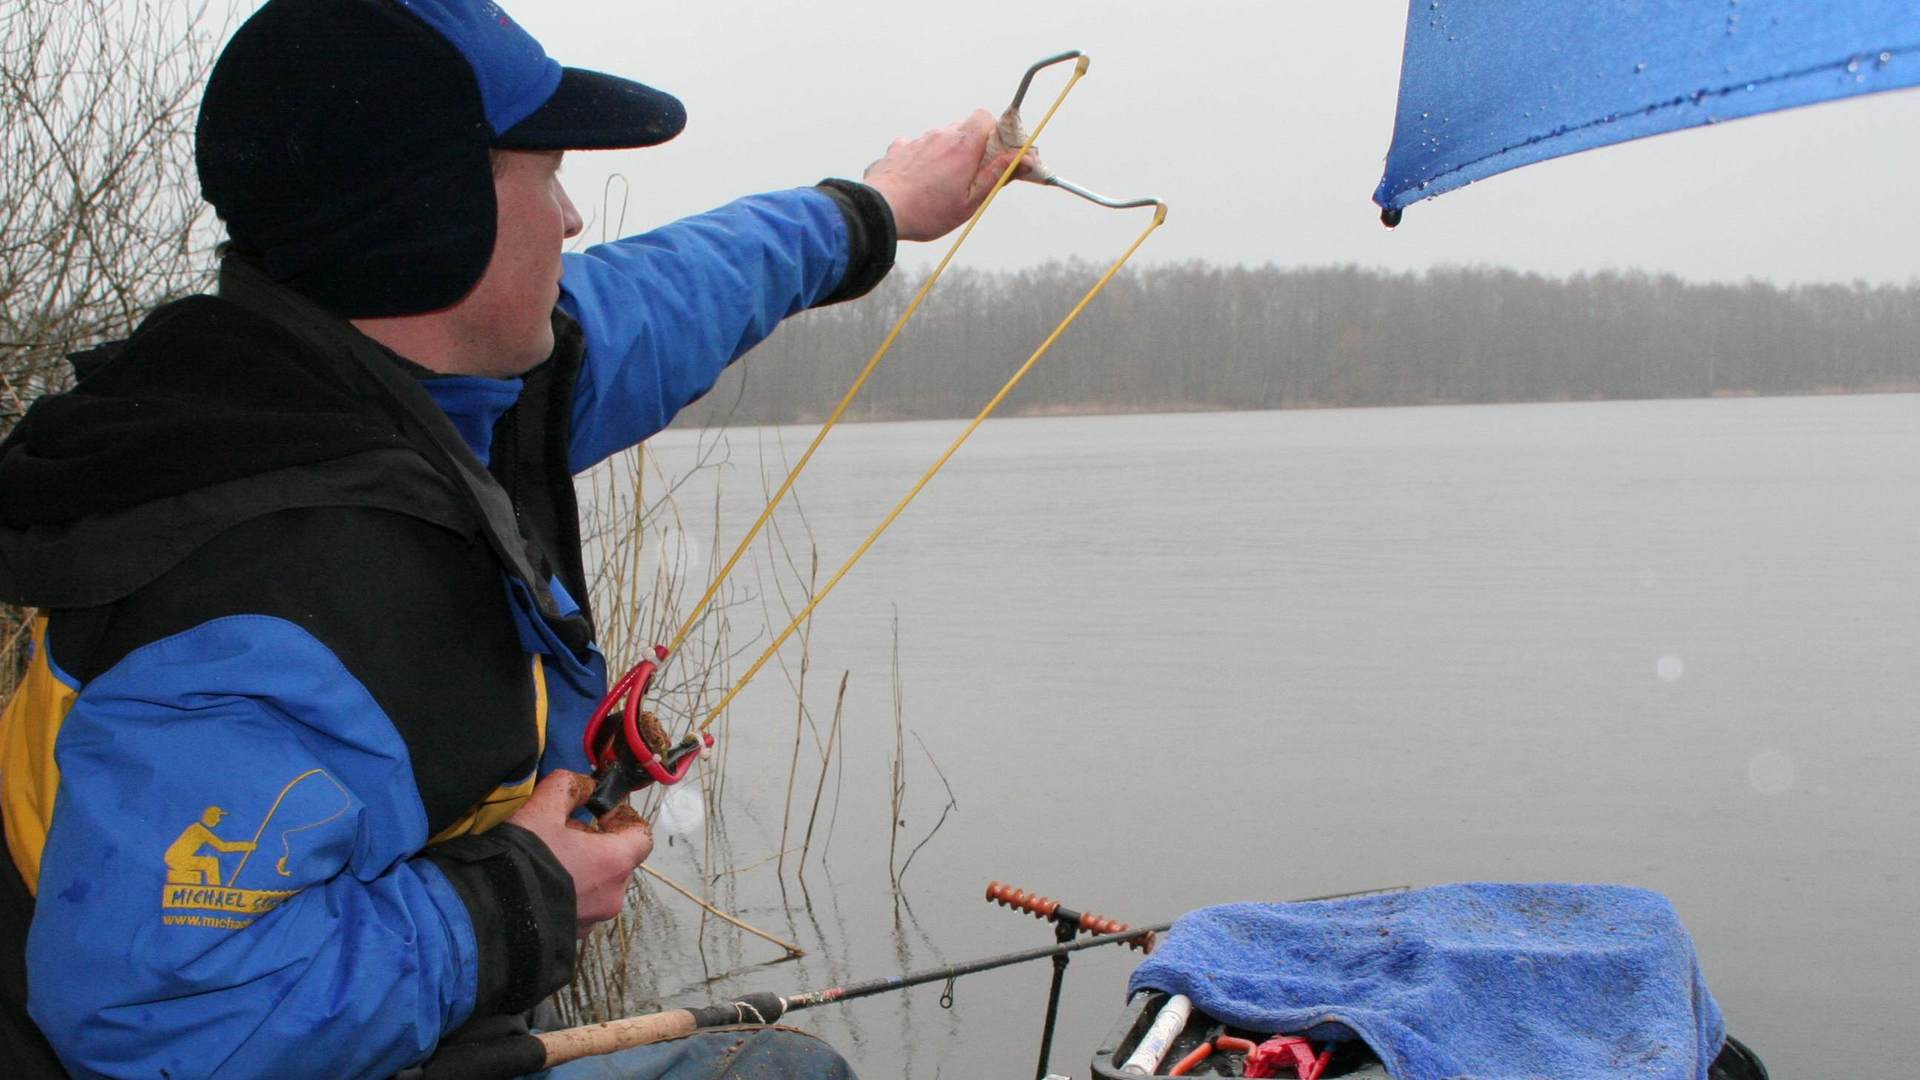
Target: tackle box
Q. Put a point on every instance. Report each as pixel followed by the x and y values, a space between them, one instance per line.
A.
pixel 1350 1059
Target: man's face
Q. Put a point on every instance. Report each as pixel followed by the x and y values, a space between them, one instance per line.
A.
pixel 506 318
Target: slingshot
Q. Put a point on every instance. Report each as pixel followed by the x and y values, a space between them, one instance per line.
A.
pixel 1010 133
pixel 623 763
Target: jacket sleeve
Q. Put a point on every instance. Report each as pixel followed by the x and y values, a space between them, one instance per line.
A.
pixel 664 312
pixel 230 885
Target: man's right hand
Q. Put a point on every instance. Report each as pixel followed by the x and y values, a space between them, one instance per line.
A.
pixel 600 859
pixel 934 183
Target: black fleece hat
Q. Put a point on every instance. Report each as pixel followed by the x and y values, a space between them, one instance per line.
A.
pixel 345 142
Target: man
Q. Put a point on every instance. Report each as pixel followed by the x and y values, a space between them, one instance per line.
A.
pixel 185 864
pixel 306 551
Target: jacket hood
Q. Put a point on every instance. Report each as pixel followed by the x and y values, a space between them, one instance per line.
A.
pixel 221 409
pixel 212 413
pixel 203 393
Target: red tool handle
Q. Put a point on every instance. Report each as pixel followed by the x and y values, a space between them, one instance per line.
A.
pixel 1192 1060
pixel 631 687
pixel 628 692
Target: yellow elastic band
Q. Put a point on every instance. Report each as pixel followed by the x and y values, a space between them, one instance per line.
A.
pixel 1159 216
pixel 1006 175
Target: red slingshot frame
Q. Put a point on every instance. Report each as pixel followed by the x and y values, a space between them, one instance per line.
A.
pixel 626 693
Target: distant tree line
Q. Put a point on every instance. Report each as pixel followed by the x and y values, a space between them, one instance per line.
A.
pixel 1197 336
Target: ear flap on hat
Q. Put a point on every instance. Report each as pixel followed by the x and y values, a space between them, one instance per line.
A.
pixel 345 143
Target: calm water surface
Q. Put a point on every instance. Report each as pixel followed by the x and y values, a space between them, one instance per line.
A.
pixel 1172 661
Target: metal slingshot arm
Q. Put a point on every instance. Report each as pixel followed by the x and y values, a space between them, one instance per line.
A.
pixel 1011 133
pixel 1095 197
pixel 1026 81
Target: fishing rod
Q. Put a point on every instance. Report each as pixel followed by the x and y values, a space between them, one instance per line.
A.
pixel 510 1056
pixel 517 1055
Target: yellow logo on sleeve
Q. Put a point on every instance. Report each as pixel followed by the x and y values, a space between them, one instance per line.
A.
pixel 197 879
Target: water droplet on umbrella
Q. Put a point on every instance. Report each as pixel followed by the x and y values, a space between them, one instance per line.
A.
pixel 1884 59
pixel 1853 65
pixel 1639 67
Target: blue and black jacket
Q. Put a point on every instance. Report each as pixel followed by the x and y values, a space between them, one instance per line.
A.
pixel 311 623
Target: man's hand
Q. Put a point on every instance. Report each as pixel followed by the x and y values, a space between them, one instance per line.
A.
pixel 601 860
pixel 934 183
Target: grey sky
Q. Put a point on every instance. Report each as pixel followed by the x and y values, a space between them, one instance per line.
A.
pixel 1263 124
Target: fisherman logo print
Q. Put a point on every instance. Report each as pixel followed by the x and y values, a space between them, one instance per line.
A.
pixel 219 876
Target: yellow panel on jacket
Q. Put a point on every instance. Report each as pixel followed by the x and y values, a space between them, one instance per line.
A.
pixel 29 777
pixel 505 799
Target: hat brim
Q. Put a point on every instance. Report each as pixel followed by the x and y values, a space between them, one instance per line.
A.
pixel 593 111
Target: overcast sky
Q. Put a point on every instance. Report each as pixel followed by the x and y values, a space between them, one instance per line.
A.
pixel 1263 125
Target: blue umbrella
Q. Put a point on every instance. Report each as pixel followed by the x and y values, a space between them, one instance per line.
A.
pixel 1491 85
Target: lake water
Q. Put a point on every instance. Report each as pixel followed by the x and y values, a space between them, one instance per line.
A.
pixel 1171 661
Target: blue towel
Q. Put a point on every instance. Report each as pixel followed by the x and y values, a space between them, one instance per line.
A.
pixel 1460 982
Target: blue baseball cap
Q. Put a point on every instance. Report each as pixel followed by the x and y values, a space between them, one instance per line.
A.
pixel 346 143
pixel 531 102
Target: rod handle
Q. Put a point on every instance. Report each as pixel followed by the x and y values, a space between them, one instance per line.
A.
pixel 571 1044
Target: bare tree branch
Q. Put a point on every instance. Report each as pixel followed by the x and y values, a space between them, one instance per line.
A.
pixel 100 211
pixel 100 214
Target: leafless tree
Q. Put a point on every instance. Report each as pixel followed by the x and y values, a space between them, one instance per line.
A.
pixel 100 212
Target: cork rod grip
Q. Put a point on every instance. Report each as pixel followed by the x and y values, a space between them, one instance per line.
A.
pixel 575 1043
